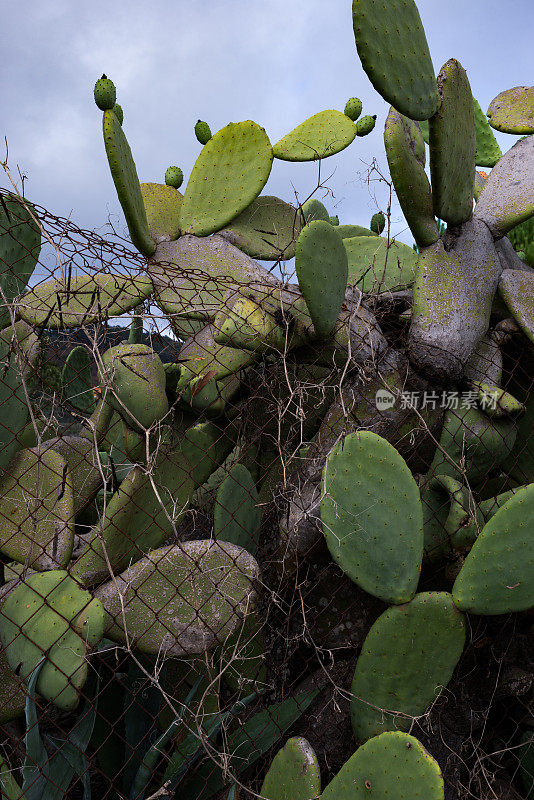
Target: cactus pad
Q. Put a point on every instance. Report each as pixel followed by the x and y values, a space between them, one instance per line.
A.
pixel 37 510
pixel 408 656
pixel 378 223
pixel 516 288
pixel 162 205
pixel 372 517
pixel 126 182
pixel 488 150
pixel 76 380
pixel 322 269
pixel 392 766
pixel 320 136
pixel 496 577
pixel 84 300
pixel 267 229
pixel 136 379
pixel 20 245
pixel 314 209
pixel 453 294
pixel 512 111
pixel 230 172
pixel 350 231
pixel 508 194
pixel 182 599
pixel 50 615
pixel 394 52
pixel 236 515
pixel 19 350
pixel 405 152
pixel 294 773
pixel 453 146
pixel 376 265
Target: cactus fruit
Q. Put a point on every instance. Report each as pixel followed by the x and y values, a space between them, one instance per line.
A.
pixel 50 615
pixel 124 174
pixel 377 264
pixel 162 206
pixel 405 153
pixel 267 229
pixel 136 380
pixel 182 599
pixel 496 577
pixel 119 113
pixel 105 94
pixel 334 220
pixel 236 516
pixel 407 657
pixel 371 516
pixel 378 223
pixel 174 177
pixel 507 198
pixel 322 269
pixel 392 765
pixel 294 773
pixel 512 111
pixel 202 131
pixel 20 245
pixel 353 108
pixel 85 299
pixel 365 125
pixel 314 209
pixel 320 136
pixel 230 172
pixel 76 380
pixel 403 74
pixel 453 146
pixel 37 510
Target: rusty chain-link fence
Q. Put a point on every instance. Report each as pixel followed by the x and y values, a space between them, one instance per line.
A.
pixel 170 612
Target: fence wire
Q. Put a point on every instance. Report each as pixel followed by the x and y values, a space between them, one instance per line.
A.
pixel 170 614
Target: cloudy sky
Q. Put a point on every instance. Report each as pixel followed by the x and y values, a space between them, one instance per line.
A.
pixel 174 61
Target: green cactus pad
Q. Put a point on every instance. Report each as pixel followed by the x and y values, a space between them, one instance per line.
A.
pixel 84 471
pixel 516 287
pixel 508 195
pixel 12 693
pixel 320 136
pixel 119 113
pixel 453 295
pixel 485 365
pixel 267 229
pixel 314 209
pixel 445 507
pixel 495 401
pixel 350 231
pixel 353 108
pixel 372 517
pixel 453 146
pixel 76 380
pixel 87 299
pixel 174 177
pixel 322 268
pixel 243 656
pixel 365 125
pixel 392 766
pixel 201 356
pixel 230 172
pixel 378 223
pixel 394 52
pixel 512 111
pixel 294 773
pixel 37 510
pixel 472 444
pixel 202 131
pixel 50 615
pixel 478 185
pixel 334 220
pixel 407 658
pixel 124 174
pixel 19 351
pixel 181 600
pixel 236 515
pixel 405 152
pixel 488 150
pixel 162 205
pixel 497 575
pixel 105 93
pixel 378 266
pixel 20 246
pixel 136 380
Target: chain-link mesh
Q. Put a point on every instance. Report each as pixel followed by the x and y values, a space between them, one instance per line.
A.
pixel 170 614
